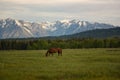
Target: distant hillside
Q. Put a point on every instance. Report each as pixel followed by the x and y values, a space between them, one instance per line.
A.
pixel 98 33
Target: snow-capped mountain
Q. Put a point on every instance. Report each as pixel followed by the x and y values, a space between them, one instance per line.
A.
pixel 11 28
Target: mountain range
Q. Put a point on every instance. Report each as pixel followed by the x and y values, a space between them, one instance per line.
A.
pixel 11 28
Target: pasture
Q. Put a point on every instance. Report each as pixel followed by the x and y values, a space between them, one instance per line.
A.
pixel 75 64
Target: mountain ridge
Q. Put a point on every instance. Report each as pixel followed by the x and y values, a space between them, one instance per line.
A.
pixel 11 28
pixel 97 33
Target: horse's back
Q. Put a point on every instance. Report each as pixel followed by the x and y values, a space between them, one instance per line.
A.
pixel 52 50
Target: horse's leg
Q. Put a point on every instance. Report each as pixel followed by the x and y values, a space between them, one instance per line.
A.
pixel 59 54
pixel 47 53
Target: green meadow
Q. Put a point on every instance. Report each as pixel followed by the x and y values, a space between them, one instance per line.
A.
pixel 75 64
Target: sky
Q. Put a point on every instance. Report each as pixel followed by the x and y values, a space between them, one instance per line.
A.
pixel 103 11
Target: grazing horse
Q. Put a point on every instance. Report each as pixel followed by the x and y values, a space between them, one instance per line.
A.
pixel 54 50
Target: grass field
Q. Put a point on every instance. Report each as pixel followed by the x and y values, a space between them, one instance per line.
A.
pixel 75 64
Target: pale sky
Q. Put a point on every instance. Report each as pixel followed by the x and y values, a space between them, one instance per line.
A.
pixel 103 11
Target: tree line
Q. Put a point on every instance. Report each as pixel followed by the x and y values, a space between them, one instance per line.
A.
pixel 38 44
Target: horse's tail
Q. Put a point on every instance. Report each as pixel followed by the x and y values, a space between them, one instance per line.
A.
pixel 46 53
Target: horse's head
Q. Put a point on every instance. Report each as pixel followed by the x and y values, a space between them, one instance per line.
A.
pixel 46 54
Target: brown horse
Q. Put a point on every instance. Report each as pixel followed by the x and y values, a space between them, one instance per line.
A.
pixel 54 50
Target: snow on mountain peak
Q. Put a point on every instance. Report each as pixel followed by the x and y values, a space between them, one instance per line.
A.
pixel 82 23
pixel 18 23
pixel 64 21
pixel 22 28
pixel 48 26
pixel 3 23
pixel 9 19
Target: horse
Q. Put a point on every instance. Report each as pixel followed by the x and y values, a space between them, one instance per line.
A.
pixel 54 50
